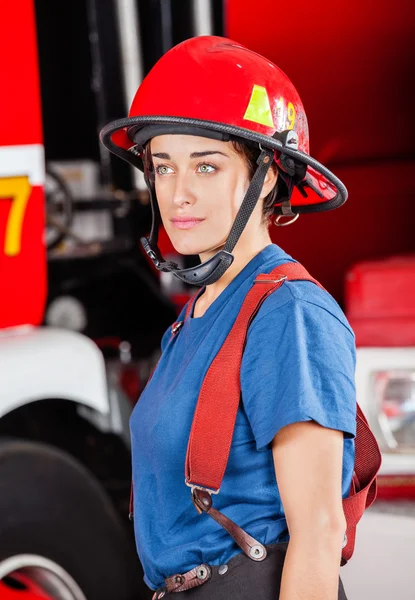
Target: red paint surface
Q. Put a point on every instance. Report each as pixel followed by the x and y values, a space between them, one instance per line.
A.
pixel 396 487
pixel 23 277
pixel 351 64
pixel 20 108
pixel 380 302
pixel 28 590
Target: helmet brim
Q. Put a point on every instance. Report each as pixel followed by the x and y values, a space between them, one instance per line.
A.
pixel 126 137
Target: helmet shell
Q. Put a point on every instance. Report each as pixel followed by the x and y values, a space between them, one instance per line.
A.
pixel 215 79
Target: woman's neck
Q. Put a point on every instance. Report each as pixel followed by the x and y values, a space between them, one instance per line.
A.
pixel 243 254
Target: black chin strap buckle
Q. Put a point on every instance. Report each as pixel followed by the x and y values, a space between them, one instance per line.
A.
pixel 150 252
pixel 159 262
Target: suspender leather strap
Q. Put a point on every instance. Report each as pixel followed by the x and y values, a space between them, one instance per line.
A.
pixel 215 415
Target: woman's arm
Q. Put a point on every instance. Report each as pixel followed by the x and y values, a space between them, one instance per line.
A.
pixel 308 467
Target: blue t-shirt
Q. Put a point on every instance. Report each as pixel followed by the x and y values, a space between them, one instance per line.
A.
pixel 298 365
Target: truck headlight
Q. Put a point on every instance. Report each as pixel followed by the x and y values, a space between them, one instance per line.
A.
pixel 395 401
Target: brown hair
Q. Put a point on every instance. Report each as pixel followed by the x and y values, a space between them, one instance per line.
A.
pixel 249 153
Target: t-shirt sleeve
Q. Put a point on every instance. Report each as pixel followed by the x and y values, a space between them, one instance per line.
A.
pixel 298 365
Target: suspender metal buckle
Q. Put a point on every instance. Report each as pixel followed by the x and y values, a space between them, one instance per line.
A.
pixel 194 486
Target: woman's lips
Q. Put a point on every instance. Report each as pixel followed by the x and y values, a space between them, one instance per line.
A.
pixel 186 223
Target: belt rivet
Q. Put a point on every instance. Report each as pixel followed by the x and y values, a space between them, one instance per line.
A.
pixel 179 579
pixel 222 569
pixel 201 573
pixel 256 551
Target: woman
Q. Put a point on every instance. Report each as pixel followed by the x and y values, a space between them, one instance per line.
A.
pixel 222 137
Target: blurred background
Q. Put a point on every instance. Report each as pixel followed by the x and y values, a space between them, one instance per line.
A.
pixel 82 311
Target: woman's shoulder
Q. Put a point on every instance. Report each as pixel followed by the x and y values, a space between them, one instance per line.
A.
pixel 299 363
pixel 304 298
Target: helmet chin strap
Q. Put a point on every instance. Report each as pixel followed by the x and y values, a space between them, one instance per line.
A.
pixel 212 269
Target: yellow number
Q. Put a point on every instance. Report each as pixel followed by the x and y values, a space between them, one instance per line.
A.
pixel 290 116
pixel 18 189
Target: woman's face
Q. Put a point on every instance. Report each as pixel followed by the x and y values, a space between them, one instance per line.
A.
pixel 200 184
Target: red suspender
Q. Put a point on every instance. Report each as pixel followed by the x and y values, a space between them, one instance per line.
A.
pixel 214 419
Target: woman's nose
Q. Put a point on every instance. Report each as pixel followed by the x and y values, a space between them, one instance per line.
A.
pixel 182 192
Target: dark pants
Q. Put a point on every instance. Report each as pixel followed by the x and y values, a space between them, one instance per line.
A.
pixel 245 579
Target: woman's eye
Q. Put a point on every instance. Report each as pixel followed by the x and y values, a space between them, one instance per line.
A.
pixel 163 170
pixel 206 168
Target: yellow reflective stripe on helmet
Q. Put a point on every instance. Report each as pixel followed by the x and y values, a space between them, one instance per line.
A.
pixel 259 110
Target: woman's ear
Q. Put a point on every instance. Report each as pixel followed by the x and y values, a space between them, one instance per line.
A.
pixel 270 181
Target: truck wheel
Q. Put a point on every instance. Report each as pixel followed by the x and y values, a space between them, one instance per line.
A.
pixel 59 530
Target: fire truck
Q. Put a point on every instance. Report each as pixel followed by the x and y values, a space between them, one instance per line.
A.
pixel 65 396
pixel 82 310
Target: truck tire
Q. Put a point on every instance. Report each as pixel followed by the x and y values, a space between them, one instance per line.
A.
pixel 51 507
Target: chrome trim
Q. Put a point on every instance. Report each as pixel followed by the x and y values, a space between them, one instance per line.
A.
pixel 202 17
pixel 128 23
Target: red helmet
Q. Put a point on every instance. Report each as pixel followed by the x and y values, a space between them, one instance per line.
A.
pixel 214 87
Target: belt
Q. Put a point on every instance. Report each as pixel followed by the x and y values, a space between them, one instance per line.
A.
pixel 184 581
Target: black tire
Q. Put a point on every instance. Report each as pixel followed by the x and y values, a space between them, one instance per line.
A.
pixel 51 506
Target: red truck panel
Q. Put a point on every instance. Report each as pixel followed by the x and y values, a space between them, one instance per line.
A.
pixel 22 173
pixel 380 301
pixel 350 62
